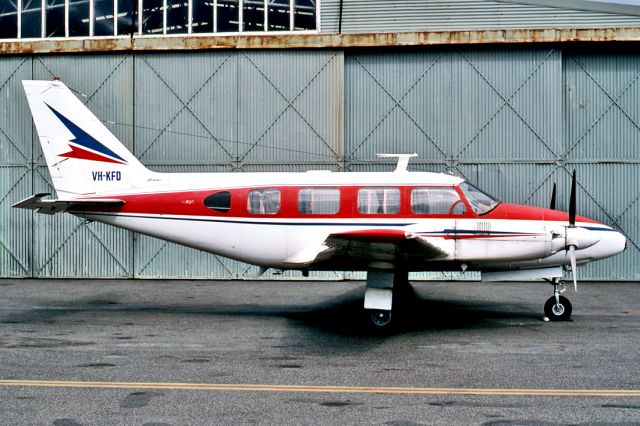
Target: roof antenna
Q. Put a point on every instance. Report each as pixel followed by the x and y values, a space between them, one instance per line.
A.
pixel 403 160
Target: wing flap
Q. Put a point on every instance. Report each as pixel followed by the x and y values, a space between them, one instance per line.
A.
pixel 367 243
pixel 37 202
pixel 405 241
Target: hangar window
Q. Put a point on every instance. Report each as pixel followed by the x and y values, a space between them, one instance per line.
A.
pixel 381 200
pixel 55 18
pixel 31 17
pixel 319 200
pixel 79 18
pixel 436 201
pixel 263 201
pixel 88 18
pixel 8 19
pixel 220 201
pixel 125 17
pixel 103 18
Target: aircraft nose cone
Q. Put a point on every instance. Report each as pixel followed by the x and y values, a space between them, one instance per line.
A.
pixel 611 243
pixel 616 243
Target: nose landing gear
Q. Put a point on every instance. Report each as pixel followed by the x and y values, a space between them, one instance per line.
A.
pixel 558 308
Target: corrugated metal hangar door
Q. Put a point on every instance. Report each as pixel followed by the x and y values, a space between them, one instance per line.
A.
pixel 512 120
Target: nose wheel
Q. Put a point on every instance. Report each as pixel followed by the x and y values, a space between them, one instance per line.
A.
pixel 558 308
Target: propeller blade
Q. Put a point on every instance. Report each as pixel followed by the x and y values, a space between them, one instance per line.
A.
pixel 572 202
pixel 553 197
pixel 572 257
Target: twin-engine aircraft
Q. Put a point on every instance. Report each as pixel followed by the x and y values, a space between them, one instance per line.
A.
pixel 385 223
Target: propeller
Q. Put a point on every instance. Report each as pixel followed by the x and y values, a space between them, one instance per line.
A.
pixel 575 238
pixel 572 202
pixel 572 242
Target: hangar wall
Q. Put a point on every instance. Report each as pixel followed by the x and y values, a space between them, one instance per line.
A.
pixel 375 16
pixel 512 120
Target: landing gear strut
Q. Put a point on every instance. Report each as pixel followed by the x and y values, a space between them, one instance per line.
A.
pixel 558 308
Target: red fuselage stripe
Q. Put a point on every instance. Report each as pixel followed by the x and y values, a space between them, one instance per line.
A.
pixel 191 203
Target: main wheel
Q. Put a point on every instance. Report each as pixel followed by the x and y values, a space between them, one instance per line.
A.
pixel 558 311
pixel 380 318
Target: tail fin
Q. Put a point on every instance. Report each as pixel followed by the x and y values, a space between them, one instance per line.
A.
pixel 83 156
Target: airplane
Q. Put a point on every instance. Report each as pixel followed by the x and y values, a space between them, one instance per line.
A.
pixel 386 224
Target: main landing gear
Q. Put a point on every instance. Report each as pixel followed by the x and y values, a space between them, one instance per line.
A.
pixel 383 286
pixel 557 308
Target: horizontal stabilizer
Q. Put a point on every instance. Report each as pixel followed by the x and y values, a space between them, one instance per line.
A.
pixel 36 202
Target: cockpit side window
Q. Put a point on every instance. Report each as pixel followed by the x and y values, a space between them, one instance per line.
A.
pixel 427 200
pixel 481 202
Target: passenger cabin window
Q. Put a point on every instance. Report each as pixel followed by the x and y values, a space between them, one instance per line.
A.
pixel 319 200
pixel 436 201
pixel 264 201
pixel 220 201
pixel 379 200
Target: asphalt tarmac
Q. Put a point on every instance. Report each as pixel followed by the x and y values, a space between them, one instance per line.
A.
pixel 200 352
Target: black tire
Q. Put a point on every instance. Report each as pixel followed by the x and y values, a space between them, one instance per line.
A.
pixel 562 312
pixel 380 319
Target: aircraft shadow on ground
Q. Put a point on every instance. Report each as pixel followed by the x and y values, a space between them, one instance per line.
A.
pixel 341 315
pixel 344 315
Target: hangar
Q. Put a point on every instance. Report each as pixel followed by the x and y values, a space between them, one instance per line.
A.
pixel 513 95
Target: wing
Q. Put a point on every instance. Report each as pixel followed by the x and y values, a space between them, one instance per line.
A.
pixel 367 243
pixel 36 202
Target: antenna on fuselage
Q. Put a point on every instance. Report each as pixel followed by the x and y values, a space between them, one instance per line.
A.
pixel 403 160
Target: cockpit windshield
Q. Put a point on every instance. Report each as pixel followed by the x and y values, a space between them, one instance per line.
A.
pixel 481 203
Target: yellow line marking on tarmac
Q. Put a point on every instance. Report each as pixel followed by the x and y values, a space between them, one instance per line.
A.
pixel 322 389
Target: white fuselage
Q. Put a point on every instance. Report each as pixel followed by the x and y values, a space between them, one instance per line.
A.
pixel 509 237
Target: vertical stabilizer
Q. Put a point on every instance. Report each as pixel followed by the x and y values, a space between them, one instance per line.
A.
pixel 83 156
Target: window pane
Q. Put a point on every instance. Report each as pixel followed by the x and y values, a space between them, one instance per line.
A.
pixel 481 202
pixel 278 15
pixel 227 16
pixel 220 201
pixel 304 17
pixel 152 16
pixel 253 15
pixel 127 22
pixel 8 19
pixel 177 16
pixel 103 13
pixel 319 200
pixel 264 201
pixel 31 13
pixel 434 201
pixel 78 18
pixel 379 200
pixel 55 18
pixel 202 21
